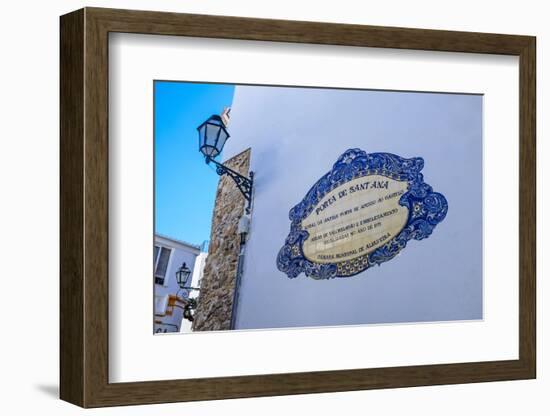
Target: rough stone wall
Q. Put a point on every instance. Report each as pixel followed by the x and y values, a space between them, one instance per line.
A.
pixel 215 300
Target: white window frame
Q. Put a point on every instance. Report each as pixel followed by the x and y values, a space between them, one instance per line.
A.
pixel 166 274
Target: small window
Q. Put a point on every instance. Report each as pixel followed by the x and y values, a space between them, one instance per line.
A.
pixel 162 257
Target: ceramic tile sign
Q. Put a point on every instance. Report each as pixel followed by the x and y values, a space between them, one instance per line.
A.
pixel 361 213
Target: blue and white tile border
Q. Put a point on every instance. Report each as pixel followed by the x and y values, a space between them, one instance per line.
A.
pixel 426 209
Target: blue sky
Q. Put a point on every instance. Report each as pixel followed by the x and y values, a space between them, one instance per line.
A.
pixel 185 186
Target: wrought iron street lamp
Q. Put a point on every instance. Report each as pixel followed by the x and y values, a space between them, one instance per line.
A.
pixel 182 274
pixel 212 137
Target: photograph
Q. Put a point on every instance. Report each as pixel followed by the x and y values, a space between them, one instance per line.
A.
pixel 339 207
pixel 287 206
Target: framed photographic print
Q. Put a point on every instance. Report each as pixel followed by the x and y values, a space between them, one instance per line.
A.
pixel 322 207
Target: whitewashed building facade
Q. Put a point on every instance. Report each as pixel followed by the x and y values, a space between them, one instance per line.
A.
pixel 169 255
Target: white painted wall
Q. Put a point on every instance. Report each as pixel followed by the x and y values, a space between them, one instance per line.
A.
pixel 181 252
pixel 31 380
pixel 198 271
pixel 296 136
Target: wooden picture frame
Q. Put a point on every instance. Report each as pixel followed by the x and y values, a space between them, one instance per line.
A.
pixel 84 207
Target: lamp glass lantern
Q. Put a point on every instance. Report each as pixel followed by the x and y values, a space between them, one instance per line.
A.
pixel 182 275
pixel 212 137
